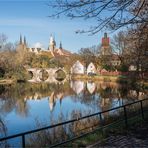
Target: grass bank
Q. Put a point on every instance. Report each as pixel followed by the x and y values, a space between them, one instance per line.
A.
pixel 97 138
pixel 119 78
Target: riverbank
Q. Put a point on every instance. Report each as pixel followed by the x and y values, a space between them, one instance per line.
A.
pixel 119 78
pixel 117 135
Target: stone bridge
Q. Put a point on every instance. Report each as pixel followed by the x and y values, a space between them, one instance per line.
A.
pixel 38 74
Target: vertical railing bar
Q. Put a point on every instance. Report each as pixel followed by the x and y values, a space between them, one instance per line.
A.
pixel 101 121
pixel 23 141
pixel 142 113
pixel 125 116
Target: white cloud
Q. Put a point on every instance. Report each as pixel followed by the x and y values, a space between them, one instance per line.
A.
pixel 38 45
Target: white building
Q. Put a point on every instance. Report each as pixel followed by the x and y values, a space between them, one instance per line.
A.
pixel 77 68
pixel 91 68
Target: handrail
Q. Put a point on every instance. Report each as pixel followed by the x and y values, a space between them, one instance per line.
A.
pixel 70 121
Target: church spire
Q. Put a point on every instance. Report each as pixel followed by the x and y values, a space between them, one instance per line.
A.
pixel 105 35
pixel 21 39
pixel 25 41
pixel 60 45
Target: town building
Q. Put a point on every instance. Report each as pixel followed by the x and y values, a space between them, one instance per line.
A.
pixel 91 68
pixel 77 68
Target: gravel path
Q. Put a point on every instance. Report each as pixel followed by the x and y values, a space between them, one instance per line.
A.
pixel 135 137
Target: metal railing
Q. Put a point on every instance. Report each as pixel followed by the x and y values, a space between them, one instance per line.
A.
pixel 124 107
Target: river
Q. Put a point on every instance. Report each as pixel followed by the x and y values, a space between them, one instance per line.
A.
pixel 28 106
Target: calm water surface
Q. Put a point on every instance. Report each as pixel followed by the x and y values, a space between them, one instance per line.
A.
pixel 24 106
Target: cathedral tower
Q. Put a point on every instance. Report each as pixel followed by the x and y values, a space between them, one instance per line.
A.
pixel 105 46
pixel 52 44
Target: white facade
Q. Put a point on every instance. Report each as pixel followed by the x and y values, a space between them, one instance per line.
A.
pixel 77 68
pixel 132 68
pixel 91 68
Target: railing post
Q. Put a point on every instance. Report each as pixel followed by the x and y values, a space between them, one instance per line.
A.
pixel 23 141
pixel 142 113
pixel 125 116
pixel 101 123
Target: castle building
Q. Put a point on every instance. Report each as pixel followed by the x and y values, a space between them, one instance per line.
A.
pixel 105 46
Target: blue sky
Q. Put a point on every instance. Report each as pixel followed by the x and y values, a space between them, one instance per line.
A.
pixel 30 18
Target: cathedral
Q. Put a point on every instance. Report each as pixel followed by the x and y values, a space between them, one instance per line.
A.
pixel 22 45
pixel 57 51
pixel 52 48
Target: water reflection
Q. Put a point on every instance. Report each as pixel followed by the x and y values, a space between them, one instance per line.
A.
pixel 77 86
pixel 21 104
pixel 91 86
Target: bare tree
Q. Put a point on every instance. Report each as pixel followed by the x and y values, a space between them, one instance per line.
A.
pixel 138 48
pixel 3 39
pixel 120 46
pixel 89 55
pixel 107 13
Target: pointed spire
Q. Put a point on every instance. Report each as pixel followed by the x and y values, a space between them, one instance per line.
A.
pixel 25 41
pixel 20 39
pixel 60 45
pixel 105 35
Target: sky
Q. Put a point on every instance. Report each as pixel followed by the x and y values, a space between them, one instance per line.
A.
pixel 30 19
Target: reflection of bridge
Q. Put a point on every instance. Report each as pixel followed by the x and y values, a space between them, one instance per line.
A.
pixel 38 74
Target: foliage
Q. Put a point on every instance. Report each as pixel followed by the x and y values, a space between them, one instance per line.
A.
pixel 123 68
pixel 2 72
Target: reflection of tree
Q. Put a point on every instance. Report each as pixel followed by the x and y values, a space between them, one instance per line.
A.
pixel 61 133
pixel 3 132
pixel 22 107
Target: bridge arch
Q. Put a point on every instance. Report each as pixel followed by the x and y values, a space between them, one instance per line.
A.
pixel 51 75
pixel 60 74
